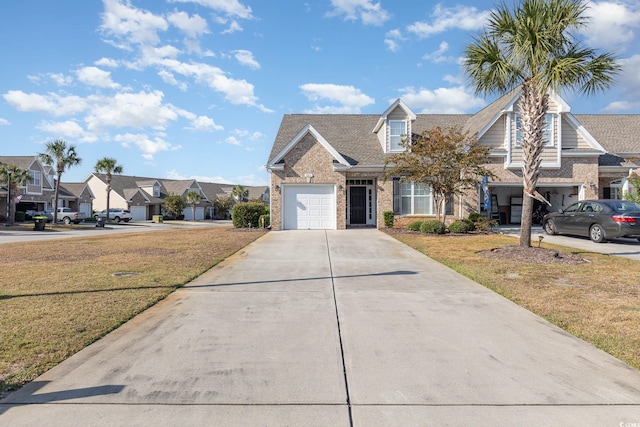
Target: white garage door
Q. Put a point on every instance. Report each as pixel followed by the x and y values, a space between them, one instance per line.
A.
pixel 138 212
pixel 85 208
pixel 188 213
pixel 309 207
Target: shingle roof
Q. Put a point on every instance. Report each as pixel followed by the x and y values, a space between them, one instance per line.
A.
pixel 351 134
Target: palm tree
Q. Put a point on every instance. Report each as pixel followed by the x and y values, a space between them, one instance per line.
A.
pixel 193 197
pixel 14 177
pixel 533 48
pixel 108 166
pixel 57 152
pixel 239 192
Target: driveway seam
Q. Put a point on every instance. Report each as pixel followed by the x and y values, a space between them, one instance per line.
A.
pixel 335 304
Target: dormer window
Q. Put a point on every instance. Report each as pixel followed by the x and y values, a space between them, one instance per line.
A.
pixel 547 133
pixel 35 178
pixel 397 132
pixel 156 191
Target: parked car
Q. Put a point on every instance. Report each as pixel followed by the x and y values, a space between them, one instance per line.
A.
pixel 116 214
pixel 597 219
pixel 67 215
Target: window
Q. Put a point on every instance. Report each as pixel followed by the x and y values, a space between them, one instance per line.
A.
pixel 547 133
pixel 416 199
pixel 35 178
pixel 156 191
pixel 397 132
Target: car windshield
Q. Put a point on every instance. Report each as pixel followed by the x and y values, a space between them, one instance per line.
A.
pixel 624 206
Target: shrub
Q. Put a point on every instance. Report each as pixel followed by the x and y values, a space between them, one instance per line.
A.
pixel 19 216
pixel 475 217
pixel 246 215
pixel 461 226
pixel 388 218
pixel 414 226
pixel 433 226
pixel 265 221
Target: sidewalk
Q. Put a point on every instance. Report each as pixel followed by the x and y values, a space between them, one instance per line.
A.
pixel 332 328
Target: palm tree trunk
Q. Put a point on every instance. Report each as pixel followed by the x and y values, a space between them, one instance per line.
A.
pixel 533 107
pixel 55 198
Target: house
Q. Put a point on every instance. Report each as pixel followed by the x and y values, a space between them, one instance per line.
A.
pixel 39 193
pixel 327 170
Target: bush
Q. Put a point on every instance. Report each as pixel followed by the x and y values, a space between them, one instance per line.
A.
pixel 475 217
pixel 433 226
pixel 19 216
pixel 247 215
pixel 414 226
pixel 388 218
pixel 461 226
pixel 265 221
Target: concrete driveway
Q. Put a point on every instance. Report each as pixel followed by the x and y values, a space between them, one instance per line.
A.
pixel 333 328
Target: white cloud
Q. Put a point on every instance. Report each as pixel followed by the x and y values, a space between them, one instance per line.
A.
pixel 193 26
pixel 368 12
pixel 228 7
pixel 245 57
pixel 232 140
pixel 106 62
pixel 67 129
pixel 131 24
pixel 94 76
pixel 612 23
pixel 454 100
pixel 629 83
pixel 135 110
pixel 350 98
pixel 4 122
pixel 439 56
pixel 392 38
pixel 174 174
pixel 233 28
pixel 466 18
pixel 148 147
pixel 169 78
pixel 60 79
pixel 205 124
pixel 51 103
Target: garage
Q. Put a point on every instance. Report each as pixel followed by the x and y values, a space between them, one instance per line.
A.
pixel 188 213
pixel 309 207
pixel 138 212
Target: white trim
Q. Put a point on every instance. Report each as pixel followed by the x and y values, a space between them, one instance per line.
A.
pixel 397 103
pixel 305 130
pixel 573 122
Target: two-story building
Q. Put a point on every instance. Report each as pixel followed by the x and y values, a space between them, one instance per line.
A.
pixel 327 169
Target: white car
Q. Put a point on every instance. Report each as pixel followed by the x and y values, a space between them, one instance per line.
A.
pixel 116 214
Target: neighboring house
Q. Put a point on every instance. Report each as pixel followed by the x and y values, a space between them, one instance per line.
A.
pixel 327 170
pixel 77 196
pixel 38 194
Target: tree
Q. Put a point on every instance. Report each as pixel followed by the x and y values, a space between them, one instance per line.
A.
pixel 175 204
pixel 13 177
pixel 633 193
pixel 223 205
pixel 193 197
pixel 447 160
pixel 61 157
pixel 108 166
pixel 239 192
pixel 533 48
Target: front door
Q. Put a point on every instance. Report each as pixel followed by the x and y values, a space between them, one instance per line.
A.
pixel 358 205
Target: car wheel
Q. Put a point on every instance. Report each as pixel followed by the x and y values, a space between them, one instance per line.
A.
pixel 127 220
pixel 117 219
pixel 66 220
pixel 596 233
pixel 550 227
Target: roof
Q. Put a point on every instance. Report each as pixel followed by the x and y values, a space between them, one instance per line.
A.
pixel 23 162
pixel 352 137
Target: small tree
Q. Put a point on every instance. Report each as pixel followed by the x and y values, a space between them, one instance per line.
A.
pixel 175 204
pixel 19 177
pixel 240 193
pixel 61 157
pixel 447 160
pixel 193 197
pixel 108 166
pixel 633 195
pixel 223 205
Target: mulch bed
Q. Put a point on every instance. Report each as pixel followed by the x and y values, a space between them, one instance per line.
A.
pixel 533 255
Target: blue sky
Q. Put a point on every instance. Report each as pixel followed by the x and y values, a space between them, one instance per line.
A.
pixel 197 88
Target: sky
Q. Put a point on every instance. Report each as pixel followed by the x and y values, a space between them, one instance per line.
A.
pixel 196 89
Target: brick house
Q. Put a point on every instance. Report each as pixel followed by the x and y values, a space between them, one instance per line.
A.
pixel 327 170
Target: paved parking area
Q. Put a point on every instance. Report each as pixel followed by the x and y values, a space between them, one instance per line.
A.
pixel 332 328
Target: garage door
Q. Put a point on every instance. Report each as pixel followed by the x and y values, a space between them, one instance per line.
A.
pixel 138 212
pixel 309 207
pixel 188 213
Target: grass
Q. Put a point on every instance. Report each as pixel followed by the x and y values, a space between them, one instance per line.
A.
pixel 598 301
pixel 58 296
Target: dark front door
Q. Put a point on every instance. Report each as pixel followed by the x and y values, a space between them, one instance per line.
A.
pixel 358 203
